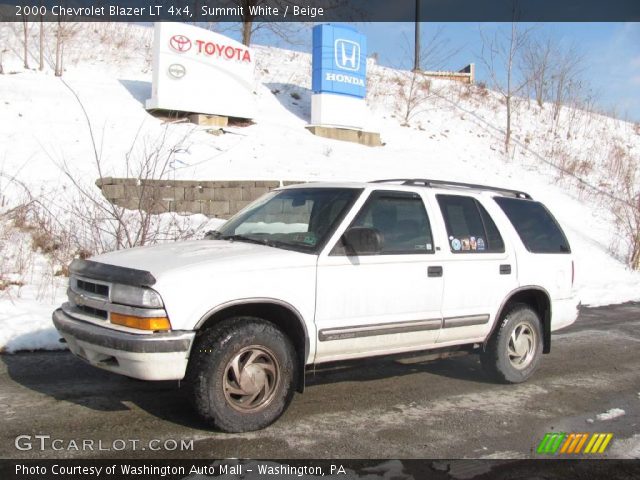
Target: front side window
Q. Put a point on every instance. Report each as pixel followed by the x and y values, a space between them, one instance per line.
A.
pixel 469 226
pixel 401 220
pixel 297 219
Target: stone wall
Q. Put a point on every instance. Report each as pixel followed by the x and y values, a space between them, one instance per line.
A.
pixel 220 199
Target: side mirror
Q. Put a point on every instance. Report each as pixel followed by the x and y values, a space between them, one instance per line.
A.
pixel 362 241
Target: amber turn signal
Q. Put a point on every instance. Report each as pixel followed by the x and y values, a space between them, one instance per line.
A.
pixel 141 323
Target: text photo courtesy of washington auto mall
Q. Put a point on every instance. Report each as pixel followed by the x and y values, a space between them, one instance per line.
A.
pixel 264 239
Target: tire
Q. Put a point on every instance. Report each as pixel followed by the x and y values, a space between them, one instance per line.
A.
pixel 241 374
pixel 513 352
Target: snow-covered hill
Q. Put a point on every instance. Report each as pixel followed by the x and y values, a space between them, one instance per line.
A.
pixel 455 132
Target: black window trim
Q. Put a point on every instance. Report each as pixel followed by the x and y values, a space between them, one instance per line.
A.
pixel 484 226
pixel 338 221
pixel 396 194
pixel 553 219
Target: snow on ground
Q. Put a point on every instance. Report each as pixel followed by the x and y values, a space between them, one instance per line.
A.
pixel 610 414
pixel 457 136
pixel 626 448
pixel 29 294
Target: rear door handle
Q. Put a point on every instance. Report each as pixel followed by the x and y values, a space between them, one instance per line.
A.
pixel 505 269
pixel 434 271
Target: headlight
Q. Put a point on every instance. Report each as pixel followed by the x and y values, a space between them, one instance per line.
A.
pixel 135 296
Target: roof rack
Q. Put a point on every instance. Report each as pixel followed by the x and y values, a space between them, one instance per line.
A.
pixel 444 183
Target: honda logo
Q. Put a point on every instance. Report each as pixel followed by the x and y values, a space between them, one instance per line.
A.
pixel 180 43
pixel 347 54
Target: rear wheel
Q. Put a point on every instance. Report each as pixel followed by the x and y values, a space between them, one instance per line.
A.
pixel 241 374
pixel 513 353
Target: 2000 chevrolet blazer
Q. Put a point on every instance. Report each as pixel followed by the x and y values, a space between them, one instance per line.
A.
pixel 323 272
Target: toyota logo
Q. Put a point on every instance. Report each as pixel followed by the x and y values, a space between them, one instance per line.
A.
pixel 180 43
pixel 177 71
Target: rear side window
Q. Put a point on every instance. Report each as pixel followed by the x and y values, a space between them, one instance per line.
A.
pixel 536 227
pixel 469 226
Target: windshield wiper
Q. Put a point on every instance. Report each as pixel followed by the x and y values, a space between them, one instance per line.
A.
pixel 244 238
pixel 212 235
pixel 216 235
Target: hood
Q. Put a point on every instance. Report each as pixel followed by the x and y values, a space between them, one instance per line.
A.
pixel 161 259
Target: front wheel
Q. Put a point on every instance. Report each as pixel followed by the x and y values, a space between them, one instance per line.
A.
pixel 513 353
pixel 241 374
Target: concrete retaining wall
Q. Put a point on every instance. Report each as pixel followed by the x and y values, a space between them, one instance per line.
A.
pixel 220 199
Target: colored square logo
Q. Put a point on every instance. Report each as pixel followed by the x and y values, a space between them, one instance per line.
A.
pixel 339 61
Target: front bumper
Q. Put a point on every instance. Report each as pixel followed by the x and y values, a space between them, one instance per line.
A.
pixel 157 356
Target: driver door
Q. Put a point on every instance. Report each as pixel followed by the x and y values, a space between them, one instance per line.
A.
pixel 383 302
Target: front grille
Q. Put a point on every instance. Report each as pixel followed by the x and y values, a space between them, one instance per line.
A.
pixel 89 297
pixel 89 300
pixel 93 311
pixel 94 288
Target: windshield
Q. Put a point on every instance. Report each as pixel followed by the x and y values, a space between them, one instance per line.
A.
pixel 298 219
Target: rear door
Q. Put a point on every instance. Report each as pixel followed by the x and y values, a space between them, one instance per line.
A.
pixel 550 263
pixel 479 268
pixel 381 303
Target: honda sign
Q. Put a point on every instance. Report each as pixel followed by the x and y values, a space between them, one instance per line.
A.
pixel 339 77
pixel 339 61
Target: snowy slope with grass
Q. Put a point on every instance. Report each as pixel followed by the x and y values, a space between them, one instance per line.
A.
pixel 454 132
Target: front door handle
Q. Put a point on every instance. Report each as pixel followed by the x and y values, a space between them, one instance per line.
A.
pixel 434 271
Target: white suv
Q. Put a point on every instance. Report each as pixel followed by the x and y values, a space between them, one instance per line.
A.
pixel 324 272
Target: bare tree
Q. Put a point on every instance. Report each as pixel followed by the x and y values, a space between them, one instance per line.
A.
pixel 415 91
pixel 64 32
pixel 500 55
pixel 565 79
pixel 25 41
pixel 627 217
pixel 247 22
pixel 437 51
pixel 250 26
pixel 554 74
pixel 415 88
pixel 59 49
pixel 287 31
pixel 537 67
pixel 101 225
pixel 622 168
pixel 41 40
